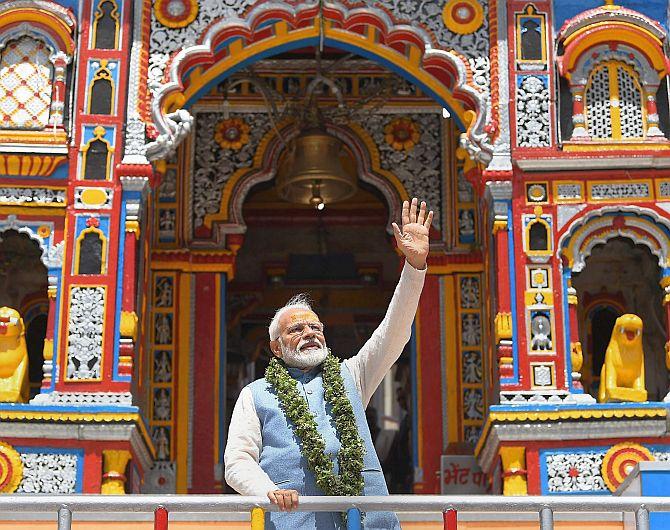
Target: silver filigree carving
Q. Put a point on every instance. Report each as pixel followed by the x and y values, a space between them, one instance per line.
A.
pixel 54 256
pixel 49 473
pixel 532 112
pixel 85 329
pixel 24 196
pixel 566 192
pixel 213 166
pixel 83 398
pixel 568 472
pixel 135 138
pixel 474 46
pixel 420 168
pixel 622 190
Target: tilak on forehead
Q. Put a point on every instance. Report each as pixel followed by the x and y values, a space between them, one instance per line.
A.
pixel 303 316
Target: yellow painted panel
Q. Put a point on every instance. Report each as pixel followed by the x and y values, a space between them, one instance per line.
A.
pixel 94 196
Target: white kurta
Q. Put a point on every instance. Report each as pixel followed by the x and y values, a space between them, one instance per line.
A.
pixel 368 367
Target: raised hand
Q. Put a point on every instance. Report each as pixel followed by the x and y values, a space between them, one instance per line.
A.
pixel 413 239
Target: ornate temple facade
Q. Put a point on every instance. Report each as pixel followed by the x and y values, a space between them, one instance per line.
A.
pixel 145 239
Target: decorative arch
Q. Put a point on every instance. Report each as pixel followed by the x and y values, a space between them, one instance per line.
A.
pixel 229 217
pixel 41 18
pixel 641 225
pixel 631 48
pixel 270 28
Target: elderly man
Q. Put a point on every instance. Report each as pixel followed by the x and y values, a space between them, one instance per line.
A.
pixel 301 430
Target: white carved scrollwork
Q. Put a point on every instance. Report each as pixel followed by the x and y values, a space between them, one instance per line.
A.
pixel 48 473
pixel 85 330
pixel 532 112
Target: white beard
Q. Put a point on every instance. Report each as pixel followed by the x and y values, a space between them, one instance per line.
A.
pixel 303 360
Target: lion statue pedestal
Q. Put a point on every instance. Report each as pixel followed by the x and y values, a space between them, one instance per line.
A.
pixel 13 357
pixel 622 374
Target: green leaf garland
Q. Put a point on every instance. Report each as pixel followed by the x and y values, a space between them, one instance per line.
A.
pixel 349 481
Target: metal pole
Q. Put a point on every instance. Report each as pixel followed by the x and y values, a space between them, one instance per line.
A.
pixel 353 519
pixel 64 518
pixel 160 518
pixel 450 518
pixel 642 518
pixel 547 518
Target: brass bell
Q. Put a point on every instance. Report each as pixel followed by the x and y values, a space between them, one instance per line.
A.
pixel 312 172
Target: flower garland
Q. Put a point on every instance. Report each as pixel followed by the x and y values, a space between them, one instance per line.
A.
pixel 312 445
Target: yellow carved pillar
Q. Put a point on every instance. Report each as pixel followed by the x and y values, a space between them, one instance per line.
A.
pixel 114 464
pixel 515 480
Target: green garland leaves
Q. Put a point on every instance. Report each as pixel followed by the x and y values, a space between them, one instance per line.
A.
pixel 313 446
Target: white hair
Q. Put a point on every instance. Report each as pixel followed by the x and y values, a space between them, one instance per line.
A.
pixel 299 301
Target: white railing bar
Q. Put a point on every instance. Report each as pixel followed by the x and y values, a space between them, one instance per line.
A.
pixel 397 503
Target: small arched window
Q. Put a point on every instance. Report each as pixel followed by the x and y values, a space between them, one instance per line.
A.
pixel 538 237
pixel 106 25
pixel 26 77
pixel 531 41
pixel 614 107
pixel 97 155
pixel 91 250
pixel 101 97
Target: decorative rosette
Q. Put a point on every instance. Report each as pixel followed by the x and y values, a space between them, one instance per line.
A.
pixel 176 13
pixel 620 460
pixel 463 16
pixel 232 133
pixel 11 468
pixel 402 133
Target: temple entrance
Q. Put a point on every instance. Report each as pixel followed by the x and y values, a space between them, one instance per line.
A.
pixel 621 277
pixel 221 200
pixel 344 260
pixel 23 286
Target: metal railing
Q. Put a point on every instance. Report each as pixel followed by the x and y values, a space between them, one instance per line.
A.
pixel 448 506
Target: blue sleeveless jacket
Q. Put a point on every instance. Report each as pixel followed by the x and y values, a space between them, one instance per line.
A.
pixel 282 460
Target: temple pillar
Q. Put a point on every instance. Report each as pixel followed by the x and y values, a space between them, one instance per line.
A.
pixel 114 463
pixel 133 199
pixel 578 121
pixel 576 356
pixel 514 473
pixel 500 196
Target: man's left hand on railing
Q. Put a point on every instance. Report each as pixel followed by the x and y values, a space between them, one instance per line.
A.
pixel 287 500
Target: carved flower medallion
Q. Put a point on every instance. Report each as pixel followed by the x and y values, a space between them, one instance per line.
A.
pixel 176 13
pixel 232 133
pixel 402 133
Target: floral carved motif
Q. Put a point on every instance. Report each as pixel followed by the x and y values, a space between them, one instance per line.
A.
pixel 49 473
pixel 213 165
pixel 420 168
pixel 575 472
pixel 532 112
pixel 41 196
pixel 85 327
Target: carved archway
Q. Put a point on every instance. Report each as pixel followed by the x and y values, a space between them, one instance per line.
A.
pixel 641 225
pixel 229 217
pixel 271 28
